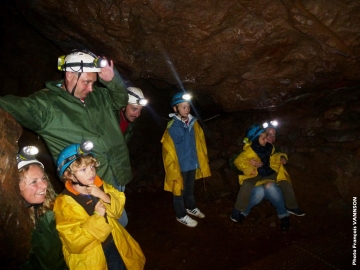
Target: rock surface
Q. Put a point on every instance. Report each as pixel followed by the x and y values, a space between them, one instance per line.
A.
pixel 239 54
pixel 15 223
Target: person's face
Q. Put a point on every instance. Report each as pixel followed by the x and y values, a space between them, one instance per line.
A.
pixel 183 109
pixel 33 185
pixel 85 174
pixel 132 112
pixel 84 84
pixel 271 134
pixel 262 139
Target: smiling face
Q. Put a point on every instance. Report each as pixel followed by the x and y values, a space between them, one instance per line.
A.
pixel 271 134
pixel 84 84
pixel 183 109
pixel 33 185
pixel 132 112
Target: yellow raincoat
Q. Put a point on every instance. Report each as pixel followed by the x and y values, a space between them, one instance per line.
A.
pixel 242 163
pixel 173 178
pixel 82 235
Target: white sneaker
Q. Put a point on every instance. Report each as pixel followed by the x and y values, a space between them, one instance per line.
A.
pixel 188 221
pixel 195 212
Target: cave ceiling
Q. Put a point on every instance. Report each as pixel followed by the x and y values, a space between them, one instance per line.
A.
pixel 240 54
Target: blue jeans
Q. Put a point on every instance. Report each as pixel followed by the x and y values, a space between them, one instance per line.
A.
pixel 271 192
pixel 187 195
pixel 113 258
pixel 123 220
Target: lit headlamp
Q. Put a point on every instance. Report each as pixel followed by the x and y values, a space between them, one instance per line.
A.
pixel 139 100
pixel 273 123
pixel 85 147
pixel 186 96
pixel 99 62
pixel 26 156
pixel 27 153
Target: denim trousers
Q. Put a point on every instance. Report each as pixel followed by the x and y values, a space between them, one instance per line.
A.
pixel 243 197
pixel 113 258
pixel 289 195
pixel 272 193
pixel 186 199
pixel 123 220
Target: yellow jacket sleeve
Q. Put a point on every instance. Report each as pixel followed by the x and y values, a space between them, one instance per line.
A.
pixel 117 201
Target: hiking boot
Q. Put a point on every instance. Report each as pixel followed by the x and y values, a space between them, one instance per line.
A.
pixel 188 221
pixel 236 216
pixel 296 212
pixel 285 223
pixel 195 212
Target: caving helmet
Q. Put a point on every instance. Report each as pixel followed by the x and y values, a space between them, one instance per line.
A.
pixel 254 131
pixel 136 96
pixel 179 98
pixel 27 156
pixel 71 153
pixel 81 61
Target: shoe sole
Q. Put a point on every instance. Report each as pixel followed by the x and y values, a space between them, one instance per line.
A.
pixel 233 219
pixel 188 211
pixel 188 225
pixel 293 213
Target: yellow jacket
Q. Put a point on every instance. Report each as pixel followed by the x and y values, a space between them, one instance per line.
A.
pixel 173 177
pixel 82 235
pixel 242 163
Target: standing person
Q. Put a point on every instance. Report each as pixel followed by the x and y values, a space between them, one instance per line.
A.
pixel 39 196
pixel 86 214
pixel 127 119
pixel 77 108
pixel 185 158
pixel 129 115
pixel 277 162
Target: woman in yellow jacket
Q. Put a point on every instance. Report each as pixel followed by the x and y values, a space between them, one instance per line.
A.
pixel 87 214
pixel 277 162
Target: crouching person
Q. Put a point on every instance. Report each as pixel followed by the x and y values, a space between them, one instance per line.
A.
pixel 87 214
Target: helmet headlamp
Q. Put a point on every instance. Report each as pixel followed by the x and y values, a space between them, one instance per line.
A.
pixel 86 147
pixel 27 155
pixel 272 123
pixel 139 100
pixel 179 98
pixel 186 96
pixel 81 61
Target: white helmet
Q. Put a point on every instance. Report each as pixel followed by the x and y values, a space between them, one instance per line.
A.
pixel 81 61
pixel 136 96
pixel 27 156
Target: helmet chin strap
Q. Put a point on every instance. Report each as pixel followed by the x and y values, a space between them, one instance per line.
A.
pixel 78 182
pixel 73 90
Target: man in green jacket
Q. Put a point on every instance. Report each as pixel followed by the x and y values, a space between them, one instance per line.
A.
pixel 78 109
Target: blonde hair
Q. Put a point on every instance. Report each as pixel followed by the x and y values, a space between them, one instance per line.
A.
pixel 48 203
pixel 80 161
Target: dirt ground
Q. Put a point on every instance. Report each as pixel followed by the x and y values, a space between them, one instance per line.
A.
pixel 319 240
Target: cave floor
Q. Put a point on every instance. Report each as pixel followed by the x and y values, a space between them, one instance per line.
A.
pixel 319 240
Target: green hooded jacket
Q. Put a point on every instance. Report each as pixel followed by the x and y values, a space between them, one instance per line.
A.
pixel 61 119
pixel 46 248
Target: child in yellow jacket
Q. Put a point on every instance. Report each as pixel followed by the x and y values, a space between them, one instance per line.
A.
pixel 87 214
pixel 185 159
